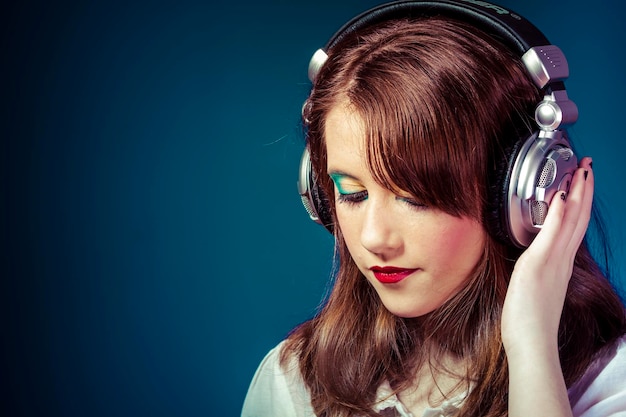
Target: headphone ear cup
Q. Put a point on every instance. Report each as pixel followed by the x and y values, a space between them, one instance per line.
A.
pixel 321 204
pixel 495 217
pixel 313 198
pixel 536 169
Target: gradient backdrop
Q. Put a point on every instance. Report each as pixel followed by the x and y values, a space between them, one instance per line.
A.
pixel 153 244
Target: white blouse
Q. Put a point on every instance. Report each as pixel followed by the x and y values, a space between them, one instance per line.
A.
pixel 278 392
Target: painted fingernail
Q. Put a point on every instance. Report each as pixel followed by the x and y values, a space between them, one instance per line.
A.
pixel 563 196
pixel 586 174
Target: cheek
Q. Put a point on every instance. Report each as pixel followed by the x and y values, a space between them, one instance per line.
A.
pixel 349 226
pixel 458 246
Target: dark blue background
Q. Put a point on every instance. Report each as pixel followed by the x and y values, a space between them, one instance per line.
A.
pixel 153 243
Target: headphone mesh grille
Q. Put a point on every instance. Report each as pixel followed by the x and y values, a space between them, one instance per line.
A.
pixel 539 210
pixel 546 177
pixel 565 153
pixel 309 209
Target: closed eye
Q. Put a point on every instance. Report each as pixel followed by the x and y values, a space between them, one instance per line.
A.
pixel 352 198
pixel 412 202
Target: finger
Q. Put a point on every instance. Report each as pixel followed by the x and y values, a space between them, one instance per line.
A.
pixel 547 240
pixel 568 215
pixel 571 215
pixel 586 182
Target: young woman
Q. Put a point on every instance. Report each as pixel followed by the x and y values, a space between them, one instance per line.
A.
pixel 435 310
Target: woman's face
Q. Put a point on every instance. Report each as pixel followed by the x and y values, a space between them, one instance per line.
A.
pixel 415 257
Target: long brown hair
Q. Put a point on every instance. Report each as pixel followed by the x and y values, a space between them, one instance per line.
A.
pixel 442 104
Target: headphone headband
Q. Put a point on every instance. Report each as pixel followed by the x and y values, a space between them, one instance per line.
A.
pixel 545 63
pixel 513 30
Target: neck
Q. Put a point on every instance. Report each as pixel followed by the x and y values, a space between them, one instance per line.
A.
pixel 440 378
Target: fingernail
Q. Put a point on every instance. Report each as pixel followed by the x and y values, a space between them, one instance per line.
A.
pixel 586 174
pixel 563 196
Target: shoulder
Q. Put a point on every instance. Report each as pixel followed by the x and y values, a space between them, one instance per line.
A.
pixel 602 390
pixel 277 389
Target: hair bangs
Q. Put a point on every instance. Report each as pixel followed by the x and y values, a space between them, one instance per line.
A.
pixel 416 142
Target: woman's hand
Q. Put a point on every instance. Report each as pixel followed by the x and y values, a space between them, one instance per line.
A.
pixel 536 293
pixel 534 302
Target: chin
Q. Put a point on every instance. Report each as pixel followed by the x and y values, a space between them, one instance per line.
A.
pixel 411 311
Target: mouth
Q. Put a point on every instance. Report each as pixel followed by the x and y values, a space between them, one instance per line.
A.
pixel 391 274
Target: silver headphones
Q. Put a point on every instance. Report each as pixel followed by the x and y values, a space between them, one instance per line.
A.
pixel 540 166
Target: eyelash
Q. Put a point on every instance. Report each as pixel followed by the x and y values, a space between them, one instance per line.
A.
pixel 352 198
pixel 414 204
pixel 355 198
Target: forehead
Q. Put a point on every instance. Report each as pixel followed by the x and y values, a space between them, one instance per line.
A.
pixel 344 135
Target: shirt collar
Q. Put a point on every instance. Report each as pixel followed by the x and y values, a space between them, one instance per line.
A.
pixel 387 399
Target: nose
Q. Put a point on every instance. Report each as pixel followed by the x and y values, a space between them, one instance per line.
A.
pixel 379 233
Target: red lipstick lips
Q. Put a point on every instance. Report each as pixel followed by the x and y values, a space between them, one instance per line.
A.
pixel 391 274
